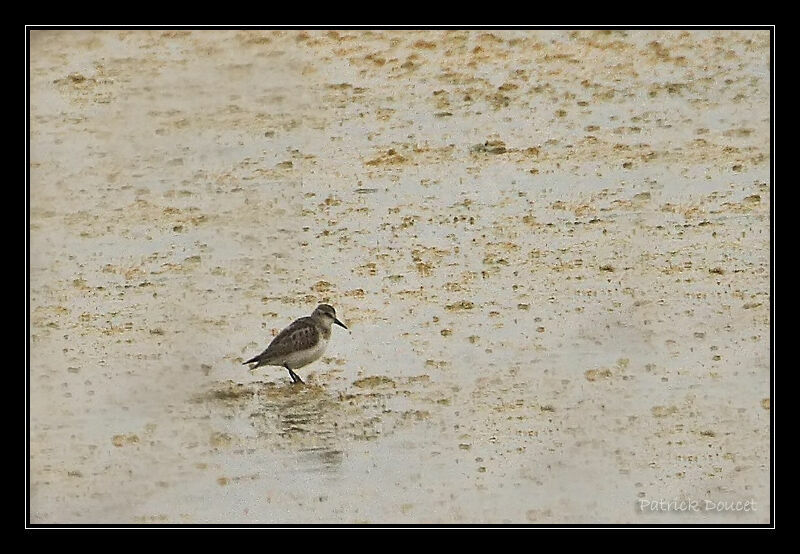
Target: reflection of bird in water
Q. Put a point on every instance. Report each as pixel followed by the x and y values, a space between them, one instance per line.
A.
pixel 301 343
pixel 305 421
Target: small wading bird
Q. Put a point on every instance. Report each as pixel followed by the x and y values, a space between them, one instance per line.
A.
pixel 301 343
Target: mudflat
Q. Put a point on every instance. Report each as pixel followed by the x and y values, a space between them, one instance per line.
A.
pixel 551 249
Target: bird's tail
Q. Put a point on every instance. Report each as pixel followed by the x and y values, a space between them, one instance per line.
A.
pixel 251 360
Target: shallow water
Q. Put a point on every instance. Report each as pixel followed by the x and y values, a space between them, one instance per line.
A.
pixel 551 250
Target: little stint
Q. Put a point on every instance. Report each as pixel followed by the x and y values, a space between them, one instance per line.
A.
pixel 301 343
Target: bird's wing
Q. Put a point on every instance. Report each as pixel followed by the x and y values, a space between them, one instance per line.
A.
pixel 300 335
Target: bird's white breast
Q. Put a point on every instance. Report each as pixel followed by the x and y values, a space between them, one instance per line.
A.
pixel 304 357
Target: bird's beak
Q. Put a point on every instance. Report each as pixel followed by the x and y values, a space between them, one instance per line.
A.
pixel 339 323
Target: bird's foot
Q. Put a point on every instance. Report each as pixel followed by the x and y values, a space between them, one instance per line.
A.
pixel 295 377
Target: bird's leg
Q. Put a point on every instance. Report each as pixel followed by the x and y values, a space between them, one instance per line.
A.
pixel 295 377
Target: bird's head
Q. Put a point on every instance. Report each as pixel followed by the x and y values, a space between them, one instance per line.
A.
pixel 325 312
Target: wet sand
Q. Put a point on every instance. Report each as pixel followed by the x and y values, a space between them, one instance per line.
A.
pixel 551 249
